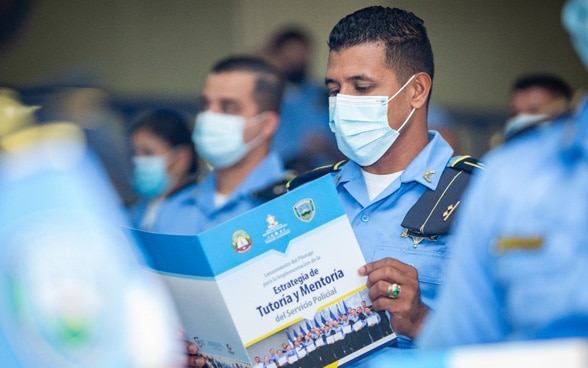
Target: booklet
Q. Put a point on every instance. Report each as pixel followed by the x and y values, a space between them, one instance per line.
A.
pixel 277 285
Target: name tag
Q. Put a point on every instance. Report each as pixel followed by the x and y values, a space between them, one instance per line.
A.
pixel 518 243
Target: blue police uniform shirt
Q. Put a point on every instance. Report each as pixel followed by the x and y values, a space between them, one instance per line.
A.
pixel 193 211
pixel 138 210
pixel 520 242
pixel 304 113
pixel 376 223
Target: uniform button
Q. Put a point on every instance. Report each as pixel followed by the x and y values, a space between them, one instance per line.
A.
pixel 365 218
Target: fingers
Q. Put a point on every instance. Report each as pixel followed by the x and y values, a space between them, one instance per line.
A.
pixel 390 270
pixel 394 286
pixel 193 359
pixel 191 348
pixel 196 362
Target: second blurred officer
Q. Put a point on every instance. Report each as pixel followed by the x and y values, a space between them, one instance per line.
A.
pixel 164 164
pixel 239 116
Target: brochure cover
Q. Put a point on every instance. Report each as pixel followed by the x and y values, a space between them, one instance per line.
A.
pixel 275 286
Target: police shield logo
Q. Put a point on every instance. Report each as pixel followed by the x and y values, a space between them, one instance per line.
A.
pixel 241 241
pixel 304 210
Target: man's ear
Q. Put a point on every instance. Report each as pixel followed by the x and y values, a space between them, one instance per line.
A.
pixel 271 122
pixel 421 89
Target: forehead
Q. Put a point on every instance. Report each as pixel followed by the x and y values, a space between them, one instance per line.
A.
pixel 237 85
pixel 145 136
pixel 145 142
pixel 530 99
pixel 367 59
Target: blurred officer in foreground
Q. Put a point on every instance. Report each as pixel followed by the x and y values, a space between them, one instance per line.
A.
pixel 73 293
pixel 519 268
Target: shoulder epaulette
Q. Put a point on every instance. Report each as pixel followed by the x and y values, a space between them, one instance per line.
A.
pixel 273 190
pixel 466 163
pixel 433 213
pixel 313 174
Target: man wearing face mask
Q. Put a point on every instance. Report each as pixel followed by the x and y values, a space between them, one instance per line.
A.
pixel 379 74
pixel 238 116
pixel 519 267
pixel 536 98
pixel 164 164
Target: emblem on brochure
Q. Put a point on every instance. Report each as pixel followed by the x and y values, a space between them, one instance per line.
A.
pixel 241 241
pixel 304 210
pixel 271 221
pixel 275 230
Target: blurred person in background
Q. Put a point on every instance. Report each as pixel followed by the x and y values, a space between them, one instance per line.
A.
pixel 303 139
pixel 164 164
pixel 91 108
pixel 534 98
pixel 239 115
pixel 518 270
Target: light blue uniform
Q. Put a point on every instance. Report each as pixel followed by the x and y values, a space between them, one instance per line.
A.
pixel 192 211
pixel 304 114
pixel 138 210
pixel 377 226
pixel 521 246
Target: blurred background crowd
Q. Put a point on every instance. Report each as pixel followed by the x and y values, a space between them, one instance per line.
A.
pixel 104 64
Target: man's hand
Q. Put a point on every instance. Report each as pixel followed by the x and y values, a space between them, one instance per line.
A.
pixel 406 309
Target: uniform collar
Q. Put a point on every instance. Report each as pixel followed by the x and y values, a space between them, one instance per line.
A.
pixel 428 165
pixel 266 172
pixel 426 168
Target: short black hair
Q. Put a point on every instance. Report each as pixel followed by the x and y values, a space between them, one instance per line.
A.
pixel 269 85
pixel 550 82
pixel 287 34
pixel 169 125
pixel 408 49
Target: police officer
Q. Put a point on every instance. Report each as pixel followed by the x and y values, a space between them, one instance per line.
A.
pixel 239 114
pixel 520 264
pixel 379 76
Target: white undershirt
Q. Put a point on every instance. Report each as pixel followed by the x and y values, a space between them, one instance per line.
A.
pixel 220 199
pixel 151 213
pixel 375 183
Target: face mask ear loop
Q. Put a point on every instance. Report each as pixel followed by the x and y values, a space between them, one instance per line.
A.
pixel 401 88
pixel 407 119
pixel 258 138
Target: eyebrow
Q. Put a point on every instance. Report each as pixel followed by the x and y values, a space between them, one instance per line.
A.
pixel 355 78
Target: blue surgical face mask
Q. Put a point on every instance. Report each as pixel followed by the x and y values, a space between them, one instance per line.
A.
pixel 219 138
pixel 360 124
pixel 575 19
pixel 150 177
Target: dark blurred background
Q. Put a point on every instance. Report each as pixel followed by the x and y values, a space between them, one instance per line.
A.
pixel 138 54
